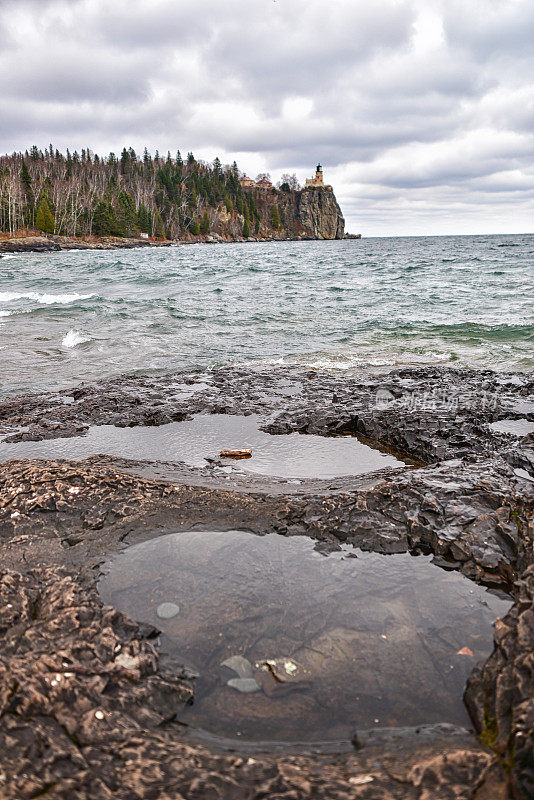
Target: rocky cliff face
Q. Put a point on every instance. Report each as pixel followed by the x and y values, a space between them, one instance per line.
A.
pixel 308 213
pixel 319 214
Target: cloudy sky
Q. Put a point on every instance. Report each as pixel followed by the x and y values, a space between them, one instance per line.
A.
pixel 421 111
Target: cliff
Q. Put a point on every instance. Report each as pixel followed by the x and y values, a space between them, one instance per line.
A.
pixel 320 214
pixel 305 214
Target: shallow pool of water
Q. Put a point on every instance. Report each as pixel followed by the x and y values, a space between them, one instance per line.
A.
pixel 516 427
pixel 324 644
pixel 290 455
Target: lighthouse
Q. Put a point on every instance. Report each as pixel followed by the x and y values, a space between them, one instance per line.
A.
pixel 317 181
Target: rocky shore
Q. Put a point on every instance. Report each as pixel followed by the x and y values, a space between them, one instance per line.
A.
pixel 50 244
pixel 90 708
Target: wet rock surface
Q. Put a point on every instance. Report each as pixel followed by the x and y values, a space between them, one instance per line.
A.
pixel 26 244
pixel 470 504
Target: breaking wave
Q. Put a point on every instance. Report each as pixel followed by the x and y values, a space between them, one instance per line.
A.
pixel 43 299
pixel 74 338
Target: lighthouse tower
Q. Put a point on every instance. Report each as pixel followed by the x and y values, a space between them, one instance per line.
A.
pixel 317 181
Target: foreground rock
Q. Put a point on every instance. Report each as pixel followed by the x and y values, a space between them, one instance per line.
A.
pixel 110 728
pixel 500 696
pixel 87 712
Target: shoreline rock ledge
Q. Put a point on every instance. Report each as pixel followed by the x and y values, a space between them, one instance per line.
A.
pixel 90 707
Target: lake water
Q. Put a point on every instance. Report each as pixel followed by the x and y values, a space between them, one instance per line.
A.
pixel 81 315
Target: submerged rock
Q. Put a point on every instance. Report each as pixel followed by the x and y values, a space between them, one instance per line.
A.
pixel 240 665
pixel 245 685
pixel 167 610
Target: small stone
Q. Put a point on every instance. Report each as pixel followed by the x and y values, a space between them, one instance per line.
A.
pixel 465 651
pixel 240 665
pixel 99 714
pixel 127 662
pixel 245 685
pixel 360 780
pixel 167 610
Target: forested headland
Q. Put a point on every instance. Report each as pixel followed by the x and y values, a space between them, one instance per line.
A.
pixel 85 195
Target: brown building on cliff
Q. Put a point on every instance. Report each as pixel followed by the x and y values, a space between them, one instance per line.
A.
pixel 264 183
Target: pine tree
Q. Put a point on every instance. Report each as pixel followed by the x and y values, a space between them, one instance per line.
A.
pixel 143 219
pixel 275 218
pixel 105 222
pixel 159 230
pixel 246 229
pixel 127 214
pixel 44 219
pixel 27 184
pixel 68 162
pixel 125 161
pixel 205 224
pixel 194 227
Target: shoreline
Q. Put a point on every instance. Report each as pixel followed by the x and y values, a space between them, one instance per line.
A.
pixel 469 503
pixel 45 244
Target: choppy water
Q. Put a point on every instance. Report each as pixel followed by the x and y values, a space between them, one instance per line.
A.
pixel 72 316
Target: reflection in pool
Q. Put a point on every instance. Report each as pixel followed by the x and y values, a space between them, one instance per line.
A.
pixel 291 455
pixel 516 427
pixel 291 645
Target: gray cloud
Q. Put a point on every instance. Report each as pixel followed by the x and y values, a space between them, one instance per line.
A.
pixel 422 111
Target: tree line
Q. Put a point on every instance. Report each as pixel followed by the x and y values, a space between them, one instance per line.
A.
pixel 83 194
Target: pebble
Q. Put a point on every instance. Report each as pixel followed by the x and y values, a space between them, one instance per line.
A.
pixel 167 610
pixel 240 665
pixel 245 685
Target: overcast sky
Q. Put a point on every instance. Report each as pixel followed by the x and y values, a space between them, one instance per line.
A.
pixel 421 111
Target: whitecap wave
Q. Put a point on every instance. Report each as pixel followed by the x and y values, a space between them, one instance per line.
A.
pixel 74 338
pixel 438 356
pixel 43 299
pixel 353 361
pixel 5 313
